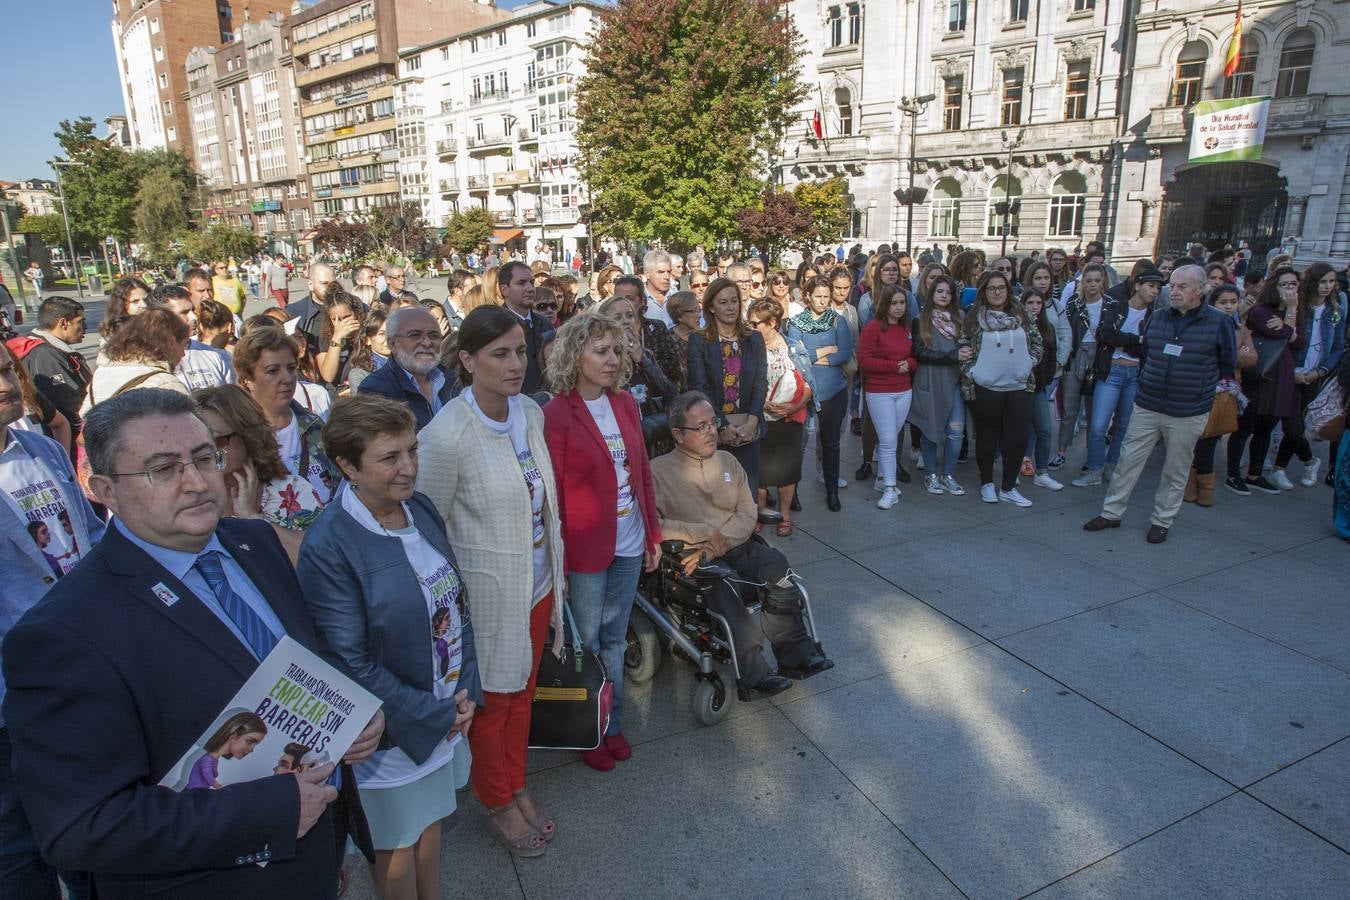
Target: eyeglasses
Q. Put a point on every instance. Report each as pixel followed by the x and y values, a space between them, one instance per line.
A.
pixel 418 337
pixel 166 473
pixel 699 284
pixel 223 440
pixel 705 428
pixel 1287 284
pixel 394 277
pixel 757 284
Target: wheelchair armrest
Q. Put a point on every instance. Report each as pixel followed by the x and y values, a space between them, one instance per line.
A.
pixel 672 548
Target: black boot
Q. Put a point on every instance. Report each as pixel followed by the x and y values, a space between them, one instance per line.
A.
pixel 832 499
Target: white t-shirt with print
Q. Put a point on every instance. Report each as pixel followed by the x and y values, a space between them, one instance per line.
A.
pixel 1130 326
pixel 629 536
pixel 515 428
pixel 37 495
pixel 205 366
pixel 288 438
pixel 444 596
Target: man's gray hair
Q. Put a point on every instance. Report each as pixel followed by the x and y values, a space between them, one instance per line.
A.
pixel 1194 272
pixel 738 267
pixel 678 411
pixel 653 259
pixel 107 423
pixel 393 270
pixel 676 259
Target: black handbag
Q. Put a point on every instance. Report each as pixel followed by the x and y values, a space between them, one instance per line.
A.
pixel 1268 352
pixel 573 698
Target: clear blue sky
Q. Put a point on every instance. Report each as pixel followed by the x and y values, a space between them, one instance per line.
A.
pixel 57 63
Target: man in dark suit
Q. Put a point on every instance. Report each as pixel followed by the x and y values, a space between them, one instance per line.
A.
pixel 129 658
pixel 413 375
pixel 515 290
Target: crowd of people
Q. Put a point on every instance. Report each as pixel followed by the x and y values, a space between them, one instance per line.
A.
pixel 418 487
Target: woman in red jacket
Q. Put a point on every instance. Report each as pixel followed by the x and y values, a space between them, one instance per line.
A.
pixel 886 358
pixel 605 498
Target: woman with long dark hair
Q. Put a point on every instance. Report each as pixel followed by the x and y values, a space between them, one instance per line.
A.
pixel 829 345
pixel 886 357
pixel 939 410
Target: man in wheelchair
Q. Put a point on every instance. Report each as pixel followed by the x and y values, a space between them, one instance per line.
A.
pixel 703 499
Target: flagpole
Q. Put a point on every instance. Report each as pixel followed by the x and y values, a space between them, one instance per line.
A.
pixel 824 122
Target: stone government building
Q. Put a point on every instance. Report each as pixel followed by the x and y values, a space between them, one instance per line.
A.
pixel 1061 121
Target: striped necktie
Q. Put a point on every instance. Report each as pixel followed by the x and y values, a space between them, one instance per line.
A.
pixel 259 637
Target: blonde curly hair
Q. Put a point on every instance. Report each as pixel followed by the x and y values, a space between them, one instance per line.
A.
pixel 564 365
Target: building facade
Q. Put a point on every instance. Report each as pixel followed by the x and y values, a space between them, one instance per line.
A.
pixel 487 119
pixel 1063 121
pixel 38 195
pixel 245 131
pixel 346 64
pixel 151 40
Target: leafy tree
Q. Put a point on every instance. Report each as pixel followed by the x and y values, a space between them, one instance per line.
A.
pixel 827 203
pixel 346 239
pixel 161 213
pixel 49 227
pixel 467 230
pixel 779 221
pixel 683 103
pixel 398 226
pixel 221 242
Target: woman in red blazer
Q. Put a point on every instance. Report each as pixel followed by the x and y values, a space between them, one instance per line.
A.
pixel 605 497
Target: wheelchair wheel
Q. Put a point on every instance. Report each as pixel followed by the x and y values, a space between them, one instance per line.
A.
pixel 642 657
pixel 712 700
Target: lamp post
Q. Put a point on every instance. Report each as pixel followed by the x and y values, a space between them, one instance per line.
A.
pixel 913 107
pixel 1010 144
pixel 65 217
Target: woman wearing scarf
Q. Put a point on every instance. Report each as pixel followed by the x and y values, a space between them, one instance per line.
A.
pixel 829 345
pixel 998 382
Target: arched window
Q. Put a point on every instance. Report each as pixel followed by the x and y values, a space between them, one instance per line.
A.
pixel 1190 75
pixel 1296 59
pixel 1068 203
pixel 945 209
pixel 843 100
pixel 1005 206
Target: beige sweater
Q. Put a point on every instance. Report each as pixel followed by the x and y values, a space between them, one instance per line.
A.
pixel 696 497
pixel 110 377
pixel 472 476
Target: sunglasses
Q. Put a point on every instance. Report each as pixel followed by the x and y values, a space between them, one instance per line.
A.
pixel 699 284
pixel 551 307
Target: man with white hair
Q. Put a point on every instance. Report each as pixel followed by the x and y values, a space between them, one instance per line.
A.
pixel 656 273
pixel 413 375
pixel 677 272
pixel 1188 347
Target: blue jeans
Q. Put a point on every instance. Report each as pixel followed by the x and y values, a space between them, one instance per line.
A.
pixel 1038 445
pixel 952 438
pixel 601 602
pixel 23 871
pixel 1115 396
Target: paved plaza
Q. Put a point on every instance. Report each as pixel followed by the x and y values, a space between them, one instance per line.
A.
pixel 1017 707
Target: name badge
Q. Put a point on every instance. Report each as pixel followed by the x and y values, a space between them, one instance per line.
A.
pixel 726 476
pixel 166 596
pixel 1172 349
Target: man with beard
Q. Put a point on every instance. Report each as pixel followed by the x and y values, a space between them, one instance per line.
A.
pixel 413 375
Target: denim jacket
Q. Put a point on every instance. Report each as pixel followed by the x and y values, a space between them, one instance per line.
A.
pixel 802 360
pixel 1332 327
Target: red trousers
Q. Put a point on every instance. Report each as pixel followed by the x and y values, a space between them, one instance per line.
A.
pixel 282 297
pixel 501 727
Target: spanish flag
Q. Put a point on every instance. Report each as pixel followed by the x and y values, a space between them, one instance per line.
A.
pixel 1230 63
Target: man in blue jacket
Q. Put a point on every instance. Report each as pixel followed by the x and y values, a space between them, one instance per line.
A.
pixel 39 499
pixel 131 656
pixel 1187 348
pixel 413 375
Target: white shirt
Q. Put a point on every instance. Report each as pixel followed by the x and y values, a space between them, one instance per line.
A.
pixel 205 366
pixel 1094 314
pixel 1130 326
pixel 629 537
pixel 35 495
pixel 288 438
pixel 514 427
pixel 656 310
pixel 1314 340
pixel 442 590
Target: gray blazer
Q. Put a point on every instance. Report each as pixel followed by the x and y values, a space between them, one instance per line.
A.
pixel 370 612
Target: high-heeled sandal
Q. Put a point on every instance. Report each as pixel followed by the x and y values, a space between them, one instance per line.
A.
pixel 542 822
pixel 530 845
pixel 784 528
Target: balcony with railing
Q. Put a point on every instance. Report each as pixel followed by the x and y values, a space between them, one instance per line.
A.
pixel 526 135
pixel 487 143
pixel 487 97
pixel 447 147
pixel 448 185
pixel 447 106
pixel 479 182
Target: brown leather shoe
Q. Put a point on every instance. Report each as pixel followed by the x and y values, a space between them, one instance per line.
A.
pixel 1156 534
pixel 1101 523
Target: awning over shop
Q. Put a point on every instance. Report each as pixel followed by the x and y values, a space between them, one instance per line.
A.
pixel 505 235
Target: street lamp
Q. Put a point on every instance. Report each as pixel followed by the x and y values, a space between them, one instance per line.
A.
pixel 913 107
pixel 56 164
pixel 1010 144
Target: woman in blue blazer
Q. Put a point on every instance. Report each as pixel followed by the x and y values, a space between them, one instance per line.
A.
pixel 381 582
pixel 728 364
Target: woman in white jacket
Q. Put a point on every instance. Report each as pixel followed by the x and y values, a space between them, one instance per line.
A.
pixel 485 465
pixel 142 353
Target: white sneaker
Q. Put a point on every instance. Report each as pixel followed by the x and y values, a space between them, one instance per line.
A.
pixel 1045 481
pixel 988 493
pixel 952 487
pixel 879 484
pixel 843 483
pixel 1280 480
pixel 932 484
pixel 1014 497
pixel 1310 473
pixel 889 498
pixel 1090 478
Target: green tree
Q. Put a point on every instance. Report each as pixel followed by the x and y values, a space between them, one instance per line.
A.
pixel 221 242
pixel 161 214
pixel 50 228
pixel 683 104
pixel 397 226
pixel 827 203
pixel 467 230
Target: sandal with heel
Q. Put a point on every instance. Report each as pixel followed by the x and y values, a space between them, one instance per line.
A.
pixel 530 845
pixel 541 822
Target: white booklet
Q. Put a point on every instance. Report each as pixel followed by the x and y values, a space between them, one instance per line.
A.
pixel 294 712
